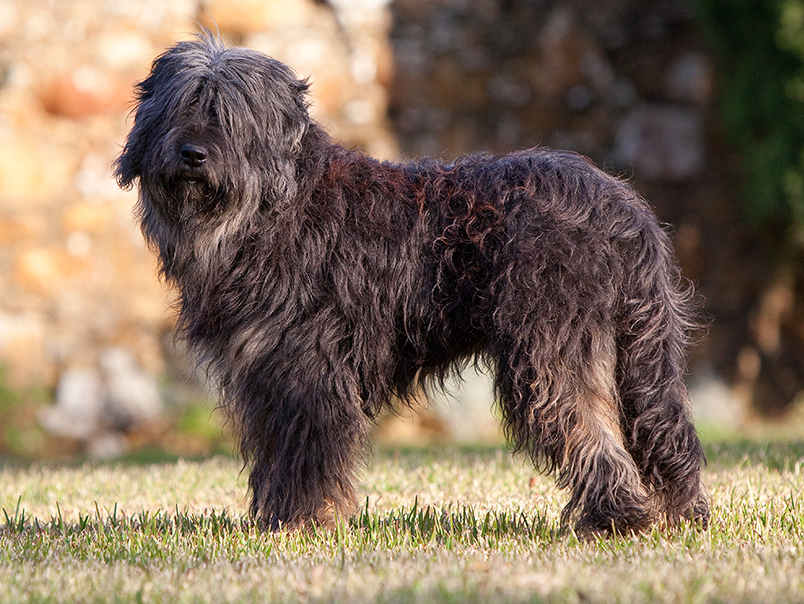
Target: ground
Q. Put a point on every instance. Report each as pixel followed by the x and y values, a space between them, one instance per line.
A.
pixel 437 525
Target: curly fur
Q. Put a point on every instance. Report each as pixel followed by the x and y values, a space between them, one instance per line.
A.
pixel 318 284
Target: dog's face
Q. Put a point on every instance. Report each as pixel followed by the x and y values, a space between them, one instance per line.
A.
pixel 214 129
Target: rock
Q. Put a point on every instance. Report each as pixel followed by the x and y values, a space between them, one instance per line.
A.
pixel 661 142
pixel 465 407
pixel 568 56
pixel 689 79
pixel 124 49
pixel 79 401
pixel 248 16
pixel 508 90
pixel 9 19
pixel 131 396
pixel 84 92
pixel 32 171
pixel 90 402
pixel 45 271
pixel 106 445
pixel 23 338
pixel 714 403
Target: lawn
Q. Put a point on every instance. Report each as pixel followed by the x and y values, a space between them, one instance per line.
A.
pixel 441 525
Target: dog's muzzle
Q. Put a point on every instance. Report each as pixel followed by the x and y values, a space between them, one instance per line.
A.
pixel 193 158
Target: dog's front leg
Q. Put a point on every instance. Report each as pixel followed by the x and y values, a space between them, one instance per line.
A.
pixel 303 435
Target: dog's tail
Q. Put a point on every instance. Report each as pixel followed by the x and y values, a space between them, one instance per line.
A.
pixel 656 322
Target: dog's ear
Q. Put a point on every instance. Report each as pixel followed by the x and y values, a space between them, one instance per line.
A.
pixel 278 102
pixel 126 166
pixel 281 98
pixel 297 118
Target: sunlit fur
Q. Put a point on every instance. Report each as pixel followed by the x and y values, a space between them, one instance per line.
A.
pixel 318 284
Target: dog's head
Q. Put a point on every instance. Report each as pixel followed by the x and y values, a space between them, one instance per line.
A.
pixel 215 129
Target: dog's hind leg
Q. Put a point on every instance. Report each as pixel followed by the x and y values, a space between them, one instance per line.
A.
pixel 606 491
pixel 653 336
pixel 568 419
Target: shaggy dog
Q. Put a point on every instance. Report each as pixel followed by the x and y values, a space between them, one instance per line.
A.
pixel 319 285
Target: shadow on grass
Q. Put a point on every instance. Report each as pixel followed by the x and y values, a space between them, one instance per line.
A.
pixel 140 457
pixel 722 452
pixel 776 456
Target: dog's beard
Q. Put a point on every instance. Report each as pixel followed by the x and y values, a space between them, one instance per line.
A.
pixel 196 194
pixel 184 193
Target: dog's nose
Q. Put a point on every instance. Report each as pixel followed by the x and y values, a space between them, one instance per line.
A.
pixel 193 155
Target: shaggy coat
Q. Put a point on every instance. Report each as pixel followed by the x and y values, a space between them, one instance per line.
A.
pixel 319 285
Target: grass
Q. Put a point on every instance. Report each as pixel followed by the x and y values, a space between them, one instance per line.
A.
pixel 446 525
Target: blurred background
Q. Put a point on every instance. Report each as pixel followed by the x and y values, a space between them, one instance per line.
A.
pixel 700 103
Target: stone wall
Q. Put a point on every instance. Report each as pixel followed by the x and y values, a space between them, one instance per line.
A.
pixel 625 82
pixel 82 315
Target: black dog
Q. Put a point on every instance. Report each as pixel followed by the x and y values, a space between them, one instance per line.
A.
pixel 319 284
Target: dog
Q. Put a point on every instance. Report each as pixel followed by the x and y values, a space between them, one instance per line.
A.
pixel 319 285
